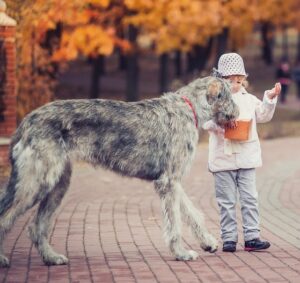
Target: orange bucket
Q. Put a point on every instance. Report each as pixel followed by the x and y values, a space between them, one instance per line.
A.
pixel 240 133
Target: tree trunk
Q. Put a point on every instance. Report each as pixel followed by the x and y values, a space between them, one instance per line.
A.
pixel 222 42
pixel 132 74
pixel 121 57
pixel 191 66
pixel 285 44
pixel 198 57
pixel 163 72
pixel 97 71
pixel 298 47
pixel 122 61
pixel 202 54
pixel 178 65
pixel 51 43
pixel 267 41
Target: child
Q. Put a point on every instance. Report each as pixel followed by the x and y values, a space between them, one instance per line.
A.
pixel 233 163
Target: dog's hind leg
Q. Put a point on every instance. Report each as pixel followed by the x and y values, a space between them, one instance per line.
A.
pixel 12 205
pixel 6 217
pixel 34 175
pixel 168 190
pixel 39 229
pixel 195 219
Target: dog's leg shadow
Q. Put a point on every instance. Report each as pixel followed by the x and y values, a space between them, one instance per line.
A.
pixel 170 200
pixel 195 219
pixel 39 229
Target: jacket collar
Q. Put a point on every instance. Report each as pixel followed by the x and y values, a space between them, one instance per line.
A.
pixel 241 91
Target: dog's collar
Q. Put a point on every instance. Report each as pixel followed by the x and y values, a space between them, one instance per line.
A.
pixel 189 103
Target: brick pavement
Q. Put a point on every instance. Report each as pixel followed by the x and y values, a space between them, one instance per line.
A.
pixel 110 228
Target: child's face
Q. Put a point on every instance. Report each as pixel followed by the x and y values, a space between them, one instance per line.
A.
pixel 236 82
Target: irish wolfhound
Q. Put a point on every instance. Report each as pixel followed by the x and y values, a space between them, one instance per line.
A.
pixel 152 139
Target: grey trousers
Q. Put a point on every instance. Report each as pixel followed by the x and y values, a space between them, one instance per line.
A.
pixel 228 185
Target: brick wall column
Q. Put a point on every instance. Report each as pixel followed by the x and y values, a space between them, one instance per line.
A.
pixel 8 98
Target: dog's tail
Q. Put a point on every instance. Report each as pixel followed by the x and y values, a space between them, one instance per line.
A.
pixel 8 194
pixel 6 201
pixel 17 136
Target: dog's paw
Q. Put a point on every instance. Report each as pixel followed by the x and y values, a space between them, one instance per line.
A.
pixel 4 262
pixel 56 259
pixel 210 249
pixel 187 255
pixel 210 245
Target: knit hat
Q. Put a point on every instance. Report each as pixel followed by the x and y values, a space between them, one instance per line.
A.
pixel 231 64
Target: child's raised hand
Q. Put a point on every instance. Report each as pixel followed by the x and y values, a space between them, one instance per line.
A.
pixel 275 91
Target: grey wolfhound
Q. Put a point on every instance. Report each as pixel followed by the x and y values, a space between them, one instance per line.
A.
pixel 152 139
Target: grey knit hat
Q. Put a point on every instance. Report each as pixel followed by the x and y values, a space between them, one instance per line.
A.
pixel 231 64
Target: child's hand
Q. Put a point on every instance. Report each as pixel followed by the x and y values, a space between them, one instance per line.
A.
pixel 231 124
pixel 275 91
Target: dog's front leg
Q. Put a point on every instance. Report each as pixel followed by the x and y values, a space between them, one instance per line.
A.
pixel 195 219
pixel 170 198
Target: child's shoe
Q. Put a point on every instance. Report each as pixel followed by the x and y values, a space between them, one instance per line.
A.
pixel 256 245
pixel 229 246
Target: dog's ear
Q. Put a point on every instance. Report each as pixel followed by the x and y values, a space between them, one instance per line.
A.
pixel 214 88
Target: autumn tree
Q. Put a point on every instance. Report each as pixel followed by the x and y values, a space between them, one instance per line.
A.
pixel 55 31
pixel 34 85
pixel 168 26
pixel 276 14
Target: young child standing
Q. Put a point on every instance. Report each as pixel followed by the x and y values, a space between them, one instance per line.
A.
pixel 233 162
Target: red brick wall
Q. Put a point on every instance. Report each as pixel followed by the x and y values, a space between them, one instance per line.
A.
pixel 8 98
pixel 8 90
pixel 4 154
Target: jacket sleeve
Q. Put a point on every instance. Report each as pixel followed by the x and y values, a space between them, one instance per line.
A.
pixel 264 110
pixel 211 126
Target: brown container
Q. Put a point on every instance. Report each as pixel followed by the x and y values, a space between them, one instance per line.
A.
pixel 240 133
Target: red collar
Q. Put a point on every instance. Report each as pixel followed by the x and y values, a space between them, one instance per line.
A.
pixel 189 103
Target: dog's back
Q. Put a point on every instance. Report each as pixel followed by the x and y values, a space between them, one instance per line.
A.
pixel 135 139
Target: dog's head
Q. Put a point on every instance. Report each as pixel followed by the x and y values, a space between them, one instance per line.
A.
pixel 212 99
pixel 218 96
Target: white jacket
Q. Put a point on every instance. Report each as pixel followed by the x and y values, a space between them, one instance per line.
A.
pixel 248 154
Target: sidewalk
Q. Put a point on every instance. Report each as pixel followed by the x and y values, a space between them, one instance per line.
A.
pixel 110 228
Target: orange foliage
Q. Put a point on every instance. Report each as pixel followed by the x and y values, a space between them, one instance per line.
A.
pixel 88 28
pixel 177 24
pixel 84 40
pixel 239 17
pixel 278 12
pixel 181 24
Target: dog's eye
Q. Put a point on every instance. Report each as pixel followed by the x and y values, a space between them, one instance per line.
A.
pixel 219 95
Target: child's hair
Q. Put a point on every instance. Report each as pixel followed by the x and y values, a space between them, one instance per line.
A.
pixel 245 83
